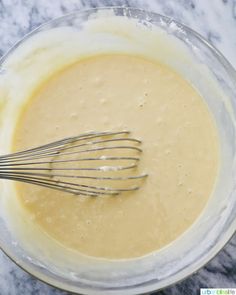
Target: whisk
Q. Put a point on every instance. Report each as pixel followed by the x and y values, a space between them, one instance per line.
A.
pixel 91 164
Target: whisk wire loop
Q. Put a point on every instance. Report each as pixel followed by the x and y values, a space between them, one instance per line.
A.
pixel 91 164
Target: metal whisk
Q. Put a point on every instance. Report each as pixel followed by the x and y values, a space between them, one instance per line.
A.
pixel 91 164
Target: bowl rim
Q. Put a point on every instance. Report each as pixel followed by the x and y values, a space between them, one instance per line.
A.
pixel 222 59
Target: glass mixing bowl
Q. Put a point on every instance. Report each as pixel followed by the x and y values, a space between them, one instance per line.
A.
pixel 215 79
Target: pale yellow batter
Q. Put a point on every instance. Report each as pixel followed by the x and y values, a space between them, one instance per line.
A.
pixel 180 144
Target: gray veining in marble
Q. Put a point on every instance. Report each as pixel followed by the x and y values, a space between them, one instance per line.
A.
pixel 216 21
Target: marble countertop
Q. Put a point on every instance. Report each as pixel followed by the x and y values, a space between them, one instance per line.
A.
pixel 216 21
